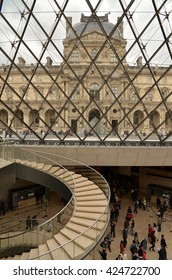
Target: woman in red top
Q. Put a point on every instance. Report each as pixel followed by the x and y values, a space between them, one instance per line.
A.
pixel 122 249
pixel 150 229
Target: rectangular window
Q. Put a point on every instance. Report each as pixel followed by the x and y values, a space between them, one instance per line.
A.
pixel 113 58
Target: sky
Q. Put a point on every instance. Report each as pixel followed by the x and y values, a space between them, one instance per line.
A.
pixel 46 12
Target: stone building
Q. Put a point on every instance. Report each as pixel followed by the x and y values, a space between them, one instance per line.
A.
pixel 93 92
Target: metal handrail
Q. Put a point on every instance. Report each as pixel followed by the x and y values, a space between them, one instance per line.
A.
pixel 105 211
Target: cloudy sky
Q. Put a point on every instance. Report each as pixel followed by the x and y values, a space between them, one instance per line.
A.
pixel 46 12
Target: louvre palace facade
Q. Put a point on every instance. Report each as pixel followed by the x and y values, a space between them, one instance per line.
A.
pixel 93 92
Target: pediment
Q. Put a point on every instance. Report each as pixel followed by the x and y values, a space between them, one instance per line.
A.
pixel 93 36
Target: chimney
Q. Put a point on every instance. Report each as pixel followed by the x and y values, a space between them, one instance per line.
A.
pixel 69 20
pixel 49 61
pixel 139 61
pixel 21 61
pixel 120 27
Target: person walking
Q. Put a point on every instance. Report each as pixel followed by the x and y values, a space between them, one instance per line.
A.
pixel 103 254
pixel 132 227
pixel 112 228
pixel 162 253
pixel 163 241
pixel 136 239
pixel 152 241
pixel 135 206
pixel 144 203
pixel 122 249
pixel 159 221
pixel 28 223
pixel 109 240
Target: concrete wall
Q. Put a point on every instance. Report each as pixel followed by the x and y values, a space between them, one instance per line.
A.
pixel 111 156
pixel 7 179
pixel 38 177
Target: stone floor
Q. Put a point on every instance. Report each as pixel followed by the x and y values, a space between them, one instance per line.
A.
pixel 142 219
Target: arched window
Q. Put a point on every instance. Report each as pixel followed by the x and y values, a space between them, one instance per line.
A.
pixel 138 117
pixel 94 114
pixel 3 118
pixel 34 117
pixel 50 116
pixel 154 119
pixel 18 119
pixel 94 92
pixel 93 53
pixel 168 120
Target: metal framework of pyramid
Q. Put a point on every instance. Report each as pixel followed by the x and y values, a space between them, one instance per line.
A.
pixel 26 24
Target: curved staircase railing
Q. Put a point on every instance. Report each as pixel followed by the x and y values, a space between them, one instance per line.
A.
pixel 90 215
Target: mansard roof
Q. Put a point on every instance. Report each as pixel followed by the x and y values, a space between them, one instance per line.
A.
pixel 89 24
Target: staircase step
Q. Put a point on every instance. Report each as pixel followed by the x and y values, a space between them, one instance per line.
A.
pixel 33 254
pixel 47 167
pixel 91 233
pixel 80 179
pixel 88 193
pixel 40 165
pixel 43 248
pixel 24 256
pixel 33 164
pixel 92 216
pixel 82 241
pixel 58 254
pixel 67 175
pixel 90 187
pixel 87 222
pixel 54 169
pixel 83 184
pixel 59 172
pixel 90 198
pixel 92 203
pixel 16 257
pixel 73 250
pixel 86 209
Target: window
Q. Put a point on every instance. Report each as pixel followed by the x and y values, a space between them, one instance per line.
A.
pixel 75 94
pixel 134 95
pixel 75 56
pixel 149 95
pixel 38 93
pixel 114 93
pixel 113 58
pixel 149 80
pixel 39 78
pixel 94 92
pixel 54 93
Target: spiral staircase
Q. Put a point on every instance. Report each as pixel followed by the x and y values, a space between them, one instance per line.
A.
pixel 87 210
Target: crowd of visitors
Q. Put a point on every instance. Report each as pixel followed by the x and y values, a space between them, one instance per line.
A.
pixel 153 241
